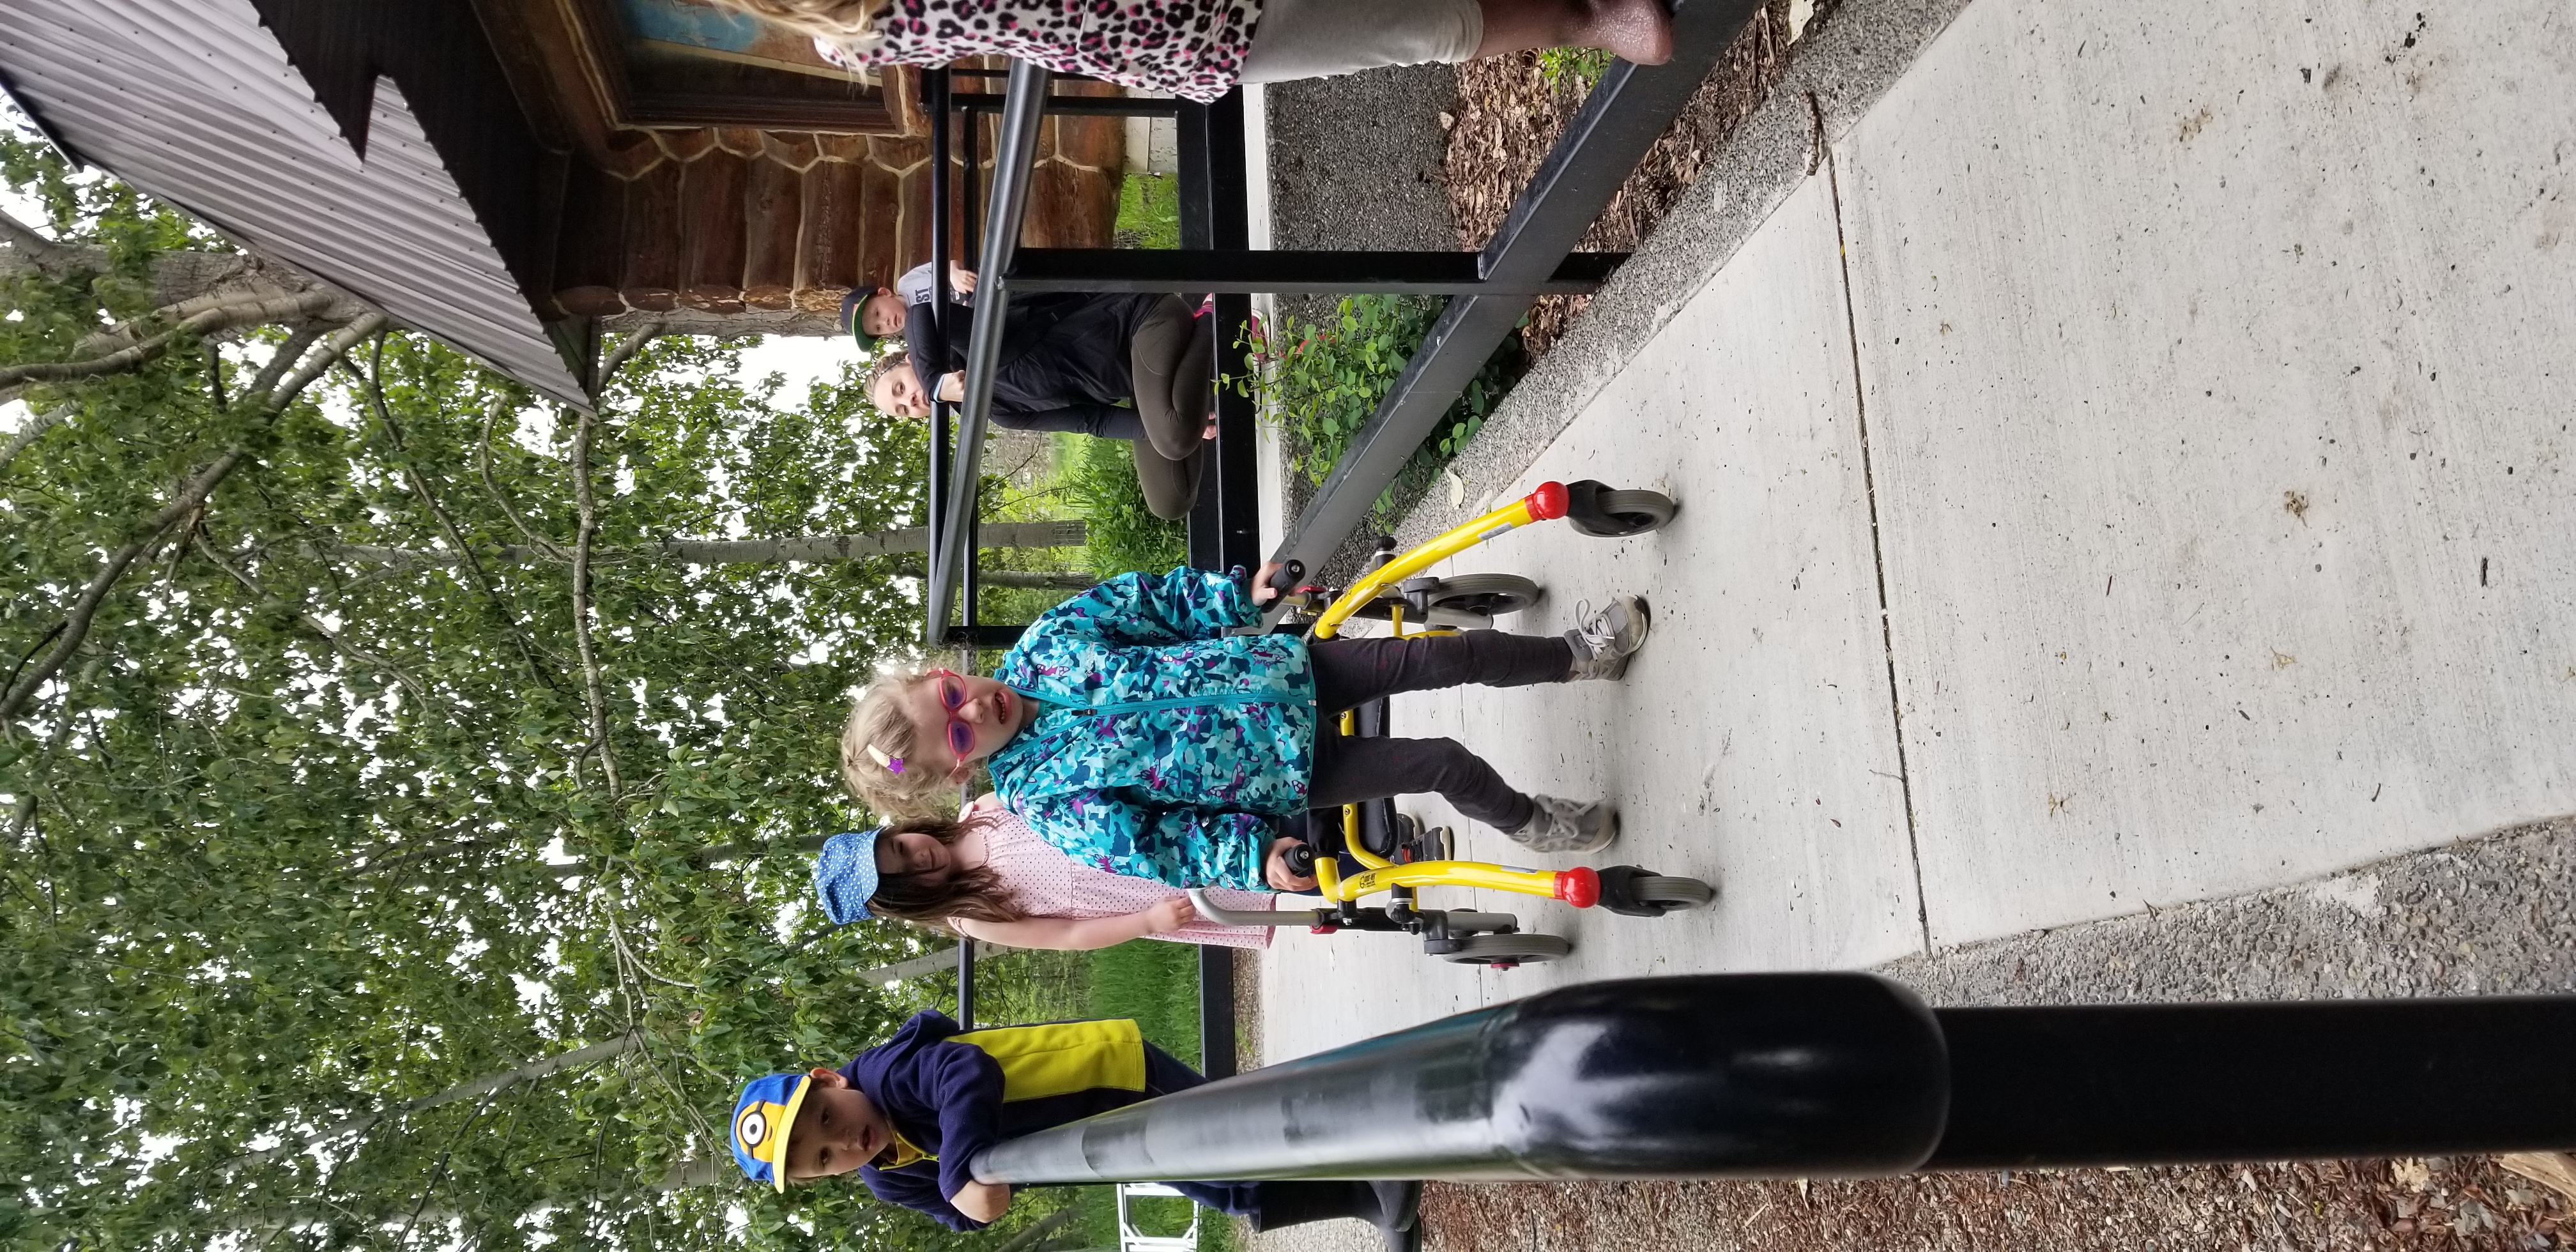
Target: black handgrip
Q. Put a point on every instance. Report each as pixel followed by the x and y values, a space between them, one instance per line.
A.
pixel 1290 573
pixel 1301 860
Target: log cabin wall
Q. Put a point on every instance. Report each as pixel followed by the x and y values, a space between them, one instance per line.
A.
pixel 734 230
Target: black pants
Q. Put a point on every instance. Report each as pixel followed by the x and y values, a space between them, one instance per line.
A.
pixel 1164 1074
pixel 1173 360
pixel 1352 672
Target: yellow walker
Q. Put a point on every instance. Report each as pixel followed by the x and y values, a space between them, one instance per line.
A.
pixel 1395 855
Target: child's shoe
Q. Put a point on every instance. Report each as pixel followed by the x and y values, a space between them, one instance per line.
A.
pixel 1399 1218
pixel 1567 826
pixel 1605 640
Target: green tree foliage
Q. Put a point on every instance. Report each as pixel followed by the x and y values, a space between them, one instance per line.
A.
pixel 297 843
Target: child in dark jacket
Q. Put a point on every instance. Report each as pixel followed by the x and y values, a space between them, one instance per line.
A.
pixel 911 1114
pixel 1138 367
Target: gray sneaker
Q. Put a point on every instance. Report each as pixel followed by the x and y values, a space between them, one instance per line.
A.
pixel 1567 826
pixel 1605 640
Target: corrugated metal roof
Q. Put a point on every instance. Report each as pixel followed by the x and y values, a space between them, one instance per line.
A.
pixel 195 102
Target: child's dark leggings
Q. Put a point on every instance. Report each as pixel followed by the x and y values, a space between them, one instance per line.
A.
pixel 1164 1075
pixel 1352 672
pixel 1269 1205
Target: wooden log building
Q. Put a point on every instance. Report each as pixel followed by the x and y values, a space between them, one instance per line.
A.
pixel 514 176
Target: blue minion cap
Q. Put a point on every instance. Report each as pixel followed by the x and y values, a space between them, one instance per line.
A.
pixel 761 1120
pixel 845 875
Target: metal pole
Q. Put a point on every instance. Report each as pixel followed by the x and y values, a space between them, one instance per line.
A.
pixel 2240 1081
pixel 1848 1075
pixel 934 101
pixel 1820 1074
pixel 971 127
pixel 1619 121
pixel 1012 156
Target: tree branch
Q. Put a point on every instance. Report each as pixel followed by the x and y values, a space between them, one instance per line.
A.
pixel 280 361
pixel 314 625
pixel 332 349
pixel 447 526
pixel 492 485
pixel 589 529
pixel 706 1171
pixel 41 253
pixel 487 1085
pixel 228 316
pixel 816 549
pixel 1043 579
pixel 1045 1226
pixel 77 622
pixel 626 349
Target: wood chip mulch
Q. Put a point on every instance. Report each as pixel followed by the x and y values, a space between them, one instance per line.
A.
pixel 1507 117
pixel 2437 1204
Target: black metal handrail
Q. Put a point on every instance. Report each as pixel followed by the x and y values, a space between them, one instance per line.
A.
pixel 1847 1075
pixel 1627 111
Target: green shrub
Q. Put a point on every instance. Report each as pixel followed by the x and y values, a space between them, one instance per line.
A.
pixel 1098 478
pixel 1321 381
pixel 1583 66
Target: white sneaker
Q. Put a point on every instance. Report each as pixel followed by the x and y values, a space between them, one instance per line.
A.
pixel 1567 826
pixel 1605 640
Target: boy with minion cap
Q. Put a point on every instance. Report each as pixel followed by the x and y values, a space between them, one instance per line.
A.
pixel 909 1114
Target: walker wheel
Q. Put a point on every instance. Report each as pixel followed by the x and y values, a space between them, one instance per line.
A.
pixel 1671 893
pixel 1485 595
pixel 1506 951
pixel 1596 509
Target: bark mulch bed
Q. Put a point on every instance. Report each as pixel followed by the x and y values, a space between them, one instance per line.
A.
pixel 2453 1203
pixel 1508 116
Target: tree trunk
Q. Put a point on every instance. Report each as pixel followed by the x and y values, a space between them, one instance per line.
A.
pixel 808 548
pixel 178 278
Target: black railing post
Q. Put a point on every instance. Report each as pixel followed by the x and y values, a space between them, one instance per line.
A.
pixel 934 101
pixel 972 127
pixel 1232 474
pixel 1602 144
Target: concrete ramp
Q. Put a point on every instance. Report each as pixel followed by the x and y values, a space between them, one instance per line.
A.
pixel 2133 470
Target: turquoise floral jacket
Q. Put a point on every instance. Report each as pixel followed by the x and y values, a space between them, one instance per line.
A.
pixel 1164 746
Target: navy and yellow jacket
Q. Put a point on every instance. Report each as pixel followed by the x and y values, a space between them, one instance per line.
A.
pixel 949 1094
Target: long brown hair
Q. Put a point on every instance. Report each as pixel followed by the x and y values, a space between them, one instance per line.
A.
pixel 841 21
pixel 977 894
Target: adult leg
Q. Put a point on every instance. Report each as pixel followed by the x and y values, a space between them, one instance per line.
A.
pixel 1172 359
pixel 1633 30
pixel 1322 38
pixel 1352 672
pixel 1350 770
pixel 1171 487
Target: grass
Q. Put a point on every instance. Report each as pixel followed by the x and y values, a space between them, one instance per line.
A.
pixel 1098 479
pixel 1149 211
